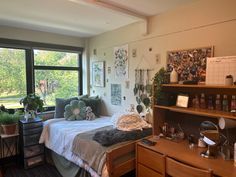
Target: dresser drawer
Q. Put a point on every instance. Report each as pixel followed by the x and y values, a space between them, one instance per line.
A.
pixel 32 125
pixel 147 172
pixel 33 150
pixel 31 139
pixel 31 131
pixel 151 159
pixel 31 162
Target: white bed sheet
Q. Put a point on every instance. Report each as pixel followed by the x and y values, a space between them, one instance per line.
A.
pixel 58 135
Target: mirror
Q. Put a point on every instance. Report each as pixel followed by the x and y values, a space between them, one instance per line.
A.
pixel 211 136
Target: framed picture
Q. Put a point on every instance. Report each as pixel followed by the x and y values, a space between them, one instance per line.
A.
pixel 182 101
pixel 98 73
pixel 190 64
pixel 121 62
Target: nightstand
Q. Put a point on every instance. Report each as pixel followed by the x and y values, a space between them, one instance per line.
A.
pixel 32 153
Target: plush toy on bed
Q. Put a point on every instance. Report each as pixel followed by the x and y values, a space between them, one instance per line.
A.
pixel 89 113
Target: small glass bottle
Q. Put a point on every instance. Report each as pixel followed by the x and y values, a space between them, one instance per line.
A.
pixel 218 103
pixel 210 103
pixel 233 104
pixel 225 105
pixel 195 102
pixel 202 101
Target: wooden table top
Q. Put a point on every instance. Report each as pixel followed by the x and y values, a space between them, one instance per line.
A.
pixel 182 152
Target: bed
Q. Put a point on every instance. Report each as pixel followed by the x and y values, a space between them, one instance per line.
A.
pixel 58 135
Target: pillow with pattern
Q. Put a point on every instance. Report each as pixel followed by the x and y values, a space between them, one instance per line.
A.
pixel 76 110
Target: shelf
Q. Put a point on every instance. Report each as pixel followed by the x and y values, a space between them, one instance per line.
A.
pixel 199 112
pixel 208 89
pixel 199 86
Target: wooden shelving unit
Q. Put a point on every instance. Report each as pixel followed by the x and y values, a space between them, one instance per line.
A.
pixel 161 112
pixel 199 112
pixel 208 89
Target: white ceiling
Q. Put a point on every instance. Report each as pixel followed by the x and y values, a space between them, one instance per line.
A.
pixel 82 18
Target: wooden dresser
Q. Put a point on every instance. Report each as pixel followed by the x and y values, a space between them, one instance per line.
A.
pixel 32 153
pixel 150 159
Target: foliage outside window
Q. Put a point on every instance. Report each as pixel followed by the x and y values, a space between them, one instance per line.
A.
pixel 12 77
pixel 49 73
pixel 51 83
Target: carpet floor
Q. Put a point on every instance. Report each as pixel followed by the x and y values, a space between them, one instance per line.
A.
pixel 39 171
pixel 46 170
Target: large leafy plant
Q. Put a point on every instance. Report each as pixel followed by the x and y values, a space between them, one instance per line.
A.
pixel 32 102
pixel 158 79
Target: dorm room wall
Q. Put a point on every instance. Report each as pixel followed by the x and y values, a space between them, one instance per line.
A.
pixel 199 24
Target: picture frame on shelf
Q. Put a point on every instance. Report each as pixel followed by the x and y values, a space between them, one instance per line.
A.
pixel 98 73
pixel 182 101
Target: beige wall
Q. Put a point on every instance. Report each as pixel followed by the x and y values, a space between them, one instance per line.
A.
pixel 200 24
pixel 37 36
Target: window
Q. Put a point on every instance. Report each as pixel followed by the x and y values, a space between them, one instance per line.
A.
pixel 56 75
pixel 48 70
pixel 12 77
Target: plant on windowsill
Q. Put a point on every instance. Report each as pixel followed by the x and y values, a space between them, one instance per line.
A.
pixel 8 121
pixel 32 103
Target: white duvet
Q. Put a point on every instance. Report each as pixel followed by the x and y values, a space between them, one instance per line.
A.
pixel 58 135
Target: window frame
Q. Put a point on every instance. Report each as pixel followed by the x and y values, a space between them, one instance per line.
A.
pixel 29 48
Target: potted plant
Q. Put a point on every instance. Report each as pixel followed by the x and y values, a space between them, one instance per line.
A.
pixel 9 122
pixel 162 98
pixel 157 81
pixel 32 103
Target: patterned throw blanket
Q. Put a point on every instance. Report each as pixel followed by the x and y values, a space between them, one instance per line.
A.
pixel 94 153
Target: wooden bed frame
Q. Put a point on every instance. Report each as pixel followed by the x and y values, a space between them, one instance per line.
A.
pixel 116 164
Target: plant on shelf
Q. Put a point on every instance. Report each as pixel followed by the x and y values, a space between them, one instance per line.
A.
pixel 8 121
pixel 158 80
pixel 32 103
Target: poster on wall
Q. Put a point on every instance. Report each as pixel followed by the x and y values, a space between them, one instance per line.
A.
pixel 190 64
pixel 116 94
pixel 98 74
pixel 121 61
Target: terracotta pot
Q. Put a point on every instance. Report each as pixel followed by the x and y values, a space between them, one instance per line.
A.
pixel 9 129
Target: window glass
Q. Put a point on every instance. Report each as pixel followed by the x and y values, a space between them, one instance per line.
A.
pixel 55 58
pixel 12 77
pixel 51 84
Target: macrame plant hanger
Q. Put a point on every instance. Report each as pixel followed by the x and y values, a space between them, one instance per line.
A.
pixel 142 88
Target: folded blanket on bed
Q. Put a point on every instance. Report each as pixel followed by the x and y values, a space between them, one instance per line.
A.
pixel 113 136
pixel 89 150
pixel 93 153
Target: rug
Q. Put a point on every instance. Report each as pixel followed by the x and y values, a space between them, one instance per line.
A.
pixel 39 171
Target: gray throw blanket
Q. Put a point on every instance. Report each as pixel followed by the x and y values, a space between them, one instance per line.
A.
pixel 113 136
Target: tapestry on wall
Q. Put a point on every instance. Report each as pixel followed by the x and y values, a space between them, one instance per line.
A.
pixel 190 64
pixel 121 61
pixel 116 94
